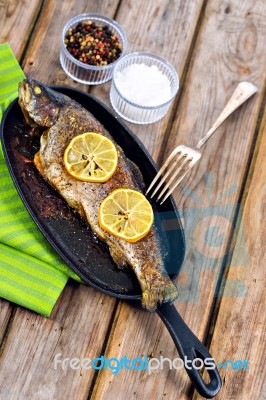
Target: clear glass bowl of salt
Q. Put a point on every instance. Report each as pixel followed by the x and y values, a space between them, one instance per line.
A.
pixel 143 87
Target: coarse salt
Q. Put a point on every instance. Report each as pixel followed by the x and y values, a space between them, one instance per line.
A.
pixel 144 85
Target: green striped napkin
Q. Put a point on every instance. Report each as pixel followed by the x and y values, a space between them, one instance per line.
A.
pixel 10 75
pixel 31 273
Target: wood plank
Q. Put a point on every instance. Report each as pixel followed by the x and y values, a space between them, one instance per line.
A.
pixel 15 14
pixel 75 330
pixel 12 14
pixel 5 314
pixel 229 49
pixel 239 332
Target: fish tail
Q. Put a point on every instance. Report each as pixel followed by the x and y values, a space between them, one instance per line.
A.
pixel 156 288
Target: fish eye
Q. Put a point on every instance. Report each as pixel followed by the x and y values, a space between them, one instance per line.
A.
pixel 37 90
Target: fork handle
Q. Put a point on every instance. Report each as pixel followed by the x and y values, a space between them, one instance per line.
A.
pixel 243 91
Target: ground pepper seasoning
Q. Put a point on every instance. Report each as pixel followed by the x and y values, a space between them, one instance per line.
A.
pixel 93 44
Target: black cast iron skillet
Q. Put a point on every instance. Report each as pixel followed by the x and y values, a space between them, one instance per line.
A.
pixel 74 241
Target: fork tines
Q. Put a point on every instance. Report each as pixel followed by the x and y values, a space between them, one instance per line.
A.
pixel 175 168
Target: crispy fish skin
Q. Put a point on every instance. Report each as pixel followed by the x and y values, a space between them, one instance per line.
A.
pixel 65 119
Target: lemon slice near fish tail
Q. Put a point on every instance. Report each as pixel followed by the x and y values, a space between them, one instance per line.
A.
pixel 126 214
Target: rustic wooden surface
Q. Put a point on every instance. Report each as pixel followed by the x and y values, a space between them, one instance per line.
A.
pixel 17 19
pixel 244 317
pixel 213 45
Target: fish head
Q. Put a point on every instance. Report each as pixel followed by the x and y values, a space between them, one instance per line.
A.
pixel 40 105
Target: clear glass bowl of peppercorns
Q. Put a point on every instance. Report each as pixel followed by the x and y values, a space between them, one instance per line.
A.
pixel 91 45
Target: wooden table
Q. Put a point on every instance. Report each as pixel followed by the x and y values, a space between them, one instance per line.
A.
pixel 213 44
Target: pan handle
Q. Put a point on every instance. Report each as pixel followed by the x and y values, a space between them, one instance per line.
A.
pixel 190 348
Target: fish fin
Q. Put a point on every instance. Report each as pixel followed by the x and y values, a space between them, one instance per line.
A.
pixel 118 257
pixel 37 162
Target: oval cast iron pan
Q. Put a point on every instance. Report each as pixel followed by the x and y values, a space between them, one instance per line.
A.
pixel 76 244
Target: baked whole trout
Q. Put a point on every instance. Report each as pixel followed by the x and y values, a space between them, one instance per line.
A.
pixel 64 118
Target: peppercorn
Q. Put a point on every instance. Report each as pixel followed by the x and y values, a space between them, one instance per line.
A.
pixel 93 44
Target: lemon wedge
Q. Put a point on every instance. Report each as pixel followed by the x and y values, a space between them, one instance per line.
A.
pixel 126 214
pixel 91 157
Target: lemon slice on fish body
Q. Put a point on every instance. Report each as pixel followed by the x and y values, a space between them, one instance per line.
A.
pixel 91 157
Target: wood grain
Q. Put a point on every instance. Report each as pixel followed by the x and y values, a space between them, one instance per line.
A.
pixel 229 49
pixel 239 331
pixel 75 330
pixel 14 14
pixel 5 313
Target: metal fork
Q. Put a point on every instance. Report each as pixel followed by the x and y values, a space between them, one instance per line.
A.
pixel 183 158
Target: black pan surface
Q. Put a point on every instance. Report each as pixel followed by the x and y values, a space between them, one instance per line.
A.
pixel 62 226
